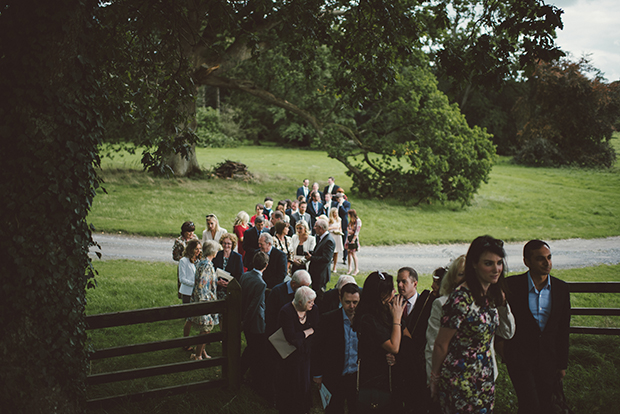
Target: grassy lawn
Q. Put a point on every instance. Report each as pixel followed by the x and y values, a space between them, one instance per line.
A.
pixel 518 203
pixel 592 384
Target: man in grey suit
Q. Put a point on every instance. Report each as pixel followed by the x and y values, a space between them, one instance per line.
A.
pixel 301 214
pixel 320 259
pixel 253 311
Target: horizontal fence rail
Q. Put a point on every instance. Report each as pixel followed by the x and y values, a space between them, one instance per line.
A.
pixel 230 336
pixel 594 287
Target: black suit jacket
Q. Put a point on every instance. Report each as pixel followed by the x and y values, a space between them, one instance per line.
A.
pixel 328 352
pixel 276 269
pixel 250 246
pixel 300 191
pixel 546 350
pixel 343 213
pixel 320 262
pixel 234 265
pixel 253 302
pixel 314 214
pixel 278 297
pixel 334 190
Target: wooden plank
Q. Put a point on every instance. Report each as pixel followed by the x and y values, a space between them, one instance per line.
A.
pixel 232 343
pixel 156 346
pixel 594 287
pixel 154 370
pixel 594 331
pixel 164 313
pixel 596 311
pixel 155 393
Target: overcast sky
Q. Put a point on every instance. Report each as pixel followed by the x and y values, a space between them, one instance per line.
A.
pixel 592 27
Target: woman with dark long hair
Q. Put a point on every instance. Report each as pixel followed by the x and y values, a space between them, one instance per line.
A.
pixel 462 369
pixel 379 329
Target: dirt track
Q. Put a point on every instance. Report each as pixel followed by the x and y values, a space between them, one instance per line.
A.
pixel 424 258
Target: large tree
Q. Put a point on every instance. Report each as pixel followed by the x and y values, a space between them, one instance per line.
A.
pixel 50 130
pixel 567 118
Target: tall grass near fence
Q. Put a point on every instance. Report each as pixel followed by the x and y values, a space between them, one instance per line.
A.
pixel 592 384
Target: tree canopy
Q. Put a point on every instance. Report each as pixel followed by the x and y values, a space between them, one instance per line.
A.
pixel 567 118
pixel 369 45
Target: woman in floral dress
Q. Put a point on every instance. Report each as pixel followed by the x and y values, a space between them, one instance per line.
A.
pixel 205 289
pixel 462 370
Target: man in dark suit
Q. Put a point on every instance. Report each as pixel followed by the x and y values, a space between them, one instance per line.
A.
pixel 304 190
pixel 537 354
pixel 331 187
pixel 250 241
pixel 253 312
pixel 281 295
pixel 276 270
pixel 409 372
pixel 334 360
pixel 320 259
pixel 328 204
pixel 315 209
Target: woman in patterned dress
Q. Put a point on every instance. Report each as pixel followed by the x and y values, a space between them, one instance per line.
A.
pixel 205 289
pixel 462 371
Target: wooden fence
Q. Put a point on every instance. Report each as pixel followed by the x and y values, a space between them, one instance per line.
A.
pixel 594 287
pixel 230 335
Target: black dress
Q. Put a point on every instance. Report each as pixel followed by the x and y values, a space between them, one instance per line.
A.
pixel 294 372
pixel 374 371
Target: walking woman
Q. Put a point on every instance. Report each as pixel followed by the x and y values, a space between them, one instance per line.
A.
pixel 462 369
pixel 205 289
pixel 353 241
pixel 378 326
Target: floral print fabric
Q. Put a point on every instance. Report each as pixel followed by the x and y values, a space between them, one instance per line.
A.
pixel 467 384
pixel 205 289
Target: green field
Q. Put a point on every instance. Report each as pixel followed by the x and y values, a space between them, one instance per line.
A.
pixel 518 203
pixel 592 384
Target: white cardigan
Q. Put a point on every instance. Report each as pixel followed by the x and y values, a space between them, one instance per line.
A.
pixel 187 276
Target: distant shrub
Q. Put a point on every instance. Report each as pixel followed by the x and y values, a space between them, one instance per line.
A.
pixel 217 130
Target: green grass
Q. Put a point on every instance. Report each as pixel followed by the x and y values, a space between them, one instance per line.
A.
pixel 518 203
pixel 592 384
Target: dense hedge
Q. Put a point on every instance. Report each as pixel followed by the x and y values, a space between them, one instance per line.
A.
pixel 48 153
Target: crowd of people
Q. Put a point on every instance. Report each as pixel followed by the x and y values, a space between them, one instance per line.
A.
pixel 373 349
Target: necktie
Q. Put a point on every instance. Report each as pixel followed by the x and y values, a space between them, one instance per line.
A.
pixel 405 313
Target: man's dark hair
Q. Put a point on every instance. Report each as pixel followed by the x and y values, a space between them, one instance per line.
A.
pixel 349 288
pixel 259 219
pixel 278 214
pixel 412 273
pixel 531 246
pixel 260 261
pixel 303 202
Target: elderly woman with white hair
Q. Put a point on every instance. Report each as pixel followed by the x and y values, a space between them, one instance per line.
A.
pixel 205 289
pixel 213 230
pixel 298 320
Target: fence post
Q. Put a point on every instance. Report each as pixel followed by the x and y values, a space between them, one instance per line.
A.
pixel 232 341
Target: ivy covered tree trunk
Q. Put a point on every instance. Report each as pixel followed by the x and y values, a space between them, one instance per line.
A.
pixel 48 152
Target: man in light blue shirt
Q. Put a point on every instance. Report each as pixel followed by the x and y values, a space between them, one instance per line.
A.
pixel 537 354
pixel 334 356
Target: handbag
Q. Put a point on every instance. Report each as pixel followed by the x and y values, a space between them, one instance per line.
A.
pixel 558 399
pixel 352 246
pixel 372 400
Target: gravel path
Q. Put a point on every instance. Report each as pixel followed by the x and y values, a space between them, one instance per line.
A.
pixel 424 258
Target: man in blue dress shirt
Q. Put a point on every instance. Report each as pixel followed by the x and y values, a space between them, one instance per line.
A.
pixel 537 355
pixel 334 357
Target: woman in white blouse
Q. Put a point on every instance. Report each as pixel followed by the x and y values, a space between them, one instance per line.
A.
pixel 213 230
pixel 301 242
pixel 187 276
